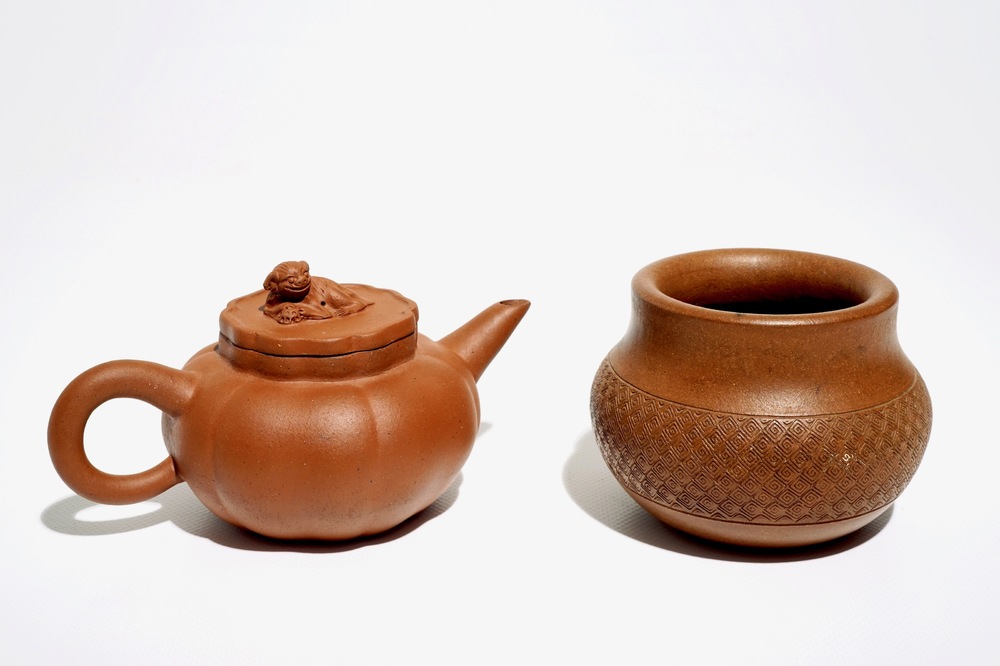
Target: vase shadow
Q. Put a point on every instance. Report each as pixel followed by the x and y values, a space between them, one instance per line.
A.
pixel 590 484
pixel 179 506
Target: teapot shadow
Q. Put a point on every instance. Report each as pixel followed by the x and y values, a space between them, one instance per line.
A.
pixel 179 506
pixel 590 484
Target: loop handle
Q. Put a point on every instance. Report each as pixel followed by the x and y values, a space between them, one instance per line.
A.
pixel 165 388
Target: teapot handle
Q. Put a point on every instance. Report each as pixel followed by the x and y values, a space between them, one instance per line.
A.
pixel 165 388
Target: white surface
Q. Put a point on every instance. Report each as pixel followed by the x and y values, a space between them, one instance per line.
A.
pixel 157 159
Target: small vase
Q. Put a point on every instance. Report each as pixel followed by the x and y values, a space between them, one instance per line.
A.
pixel 761 398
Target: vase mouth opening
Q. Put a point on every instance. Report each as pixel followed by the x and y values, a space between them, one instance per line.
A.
pixel 777 303
pixel 765 286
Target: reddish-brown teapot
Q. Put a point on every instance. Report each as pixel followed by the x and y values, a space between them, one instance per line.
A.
pixel 320 414
pixel 760 397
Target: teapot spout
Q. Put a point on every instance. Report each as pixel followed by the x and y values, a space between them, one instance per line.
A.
pixel 478 341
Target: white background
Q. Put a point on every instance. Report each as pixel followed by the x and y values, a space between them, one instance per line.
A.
pixel 158 158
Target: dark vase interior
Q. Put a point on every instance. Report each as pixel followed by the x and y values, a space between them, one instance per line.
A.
pixel 782 305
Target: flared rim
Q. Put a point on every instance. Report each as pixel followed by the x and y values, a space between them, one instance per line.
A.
pixel 716 285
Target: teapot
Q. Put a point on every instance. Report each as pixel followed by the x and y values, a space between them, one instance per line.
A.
pixel 321 413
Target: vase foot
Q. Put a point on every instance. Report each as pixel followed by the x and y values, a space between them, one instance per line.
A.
pixel 754 534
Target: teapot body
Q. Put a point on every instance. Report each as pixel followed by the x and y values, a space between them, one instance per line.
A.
pixel 324 458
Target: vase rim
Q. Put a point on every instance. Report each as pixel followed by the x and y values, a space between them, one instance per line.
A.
pixel 764 287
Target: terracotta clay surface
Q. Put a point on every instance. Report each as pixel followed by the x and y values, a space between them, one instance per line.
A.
pixel 320 414
pixel 760 397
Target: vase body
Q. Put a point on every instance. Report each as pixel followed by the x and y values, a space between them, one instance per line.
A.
pixel 760 397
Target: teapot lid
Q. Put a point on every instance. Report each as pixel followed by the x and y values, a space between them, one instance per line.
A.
pixel 297 314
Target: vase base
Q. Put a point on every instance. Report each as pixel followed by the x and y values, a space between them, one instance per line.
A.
pixel 753 534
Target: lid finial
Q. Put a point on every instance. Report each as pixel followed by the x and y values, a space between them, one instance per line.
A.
pixel 296 296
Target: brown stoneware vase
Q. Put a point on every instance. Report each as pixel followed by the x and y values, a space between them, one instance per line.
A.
pixel 761 398
pixel 321 413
